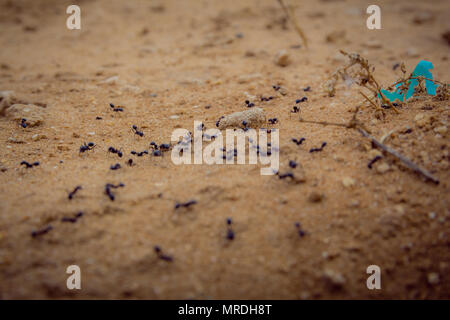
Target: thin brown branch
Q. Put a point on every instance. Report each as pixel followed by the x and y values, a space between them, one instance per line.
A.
pixel 411 165
pixel 291 16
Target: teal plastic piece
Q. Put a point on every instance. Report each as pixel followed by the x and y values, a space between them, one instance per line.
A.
pixel 422 69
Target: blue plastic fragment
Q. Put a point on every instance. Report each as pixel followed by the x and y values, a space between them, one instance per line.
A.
pixel 422 69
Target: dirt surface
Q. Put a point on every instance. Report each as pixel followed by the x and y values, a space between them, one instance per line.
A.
pixel 180 61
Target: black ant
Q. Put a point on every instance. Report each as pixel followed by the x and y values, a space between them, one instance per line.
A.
pixel 98 118
pixel 72 219
pixel 139 154
pixel 108 191
pixel 161 255
pixel 298 142
pixel 286 175
pixel 318 149
pixel 153 145
pixel 157 153
pixel 41 232
pixel 185 204
pixel 308 88
pixel 266 99
pixel 218 121
pixel 292 164
pixel 373 161
pixel 114 150
pixel 273 120
pixel 23 123
pixel 29 165
pixel 301 100
pixel 115 167
pixel 249 104
pixel 164 146
pixel 136 131
pixel 71 194
pixel 276 88
pixel 130 162
pixel 300 231
pixel 85 147
pixel 118 109
pixel 295 109
pixel 230 232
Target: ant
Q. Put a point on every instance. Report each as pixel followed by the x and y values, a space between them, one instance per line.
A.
pixel 139 154
pixel 185 204
pixel 276 88
pixel 136 131
pixel 164 146
pixel 298 142
pixel 230 232
pixel 218 121
pixel 23 123
pixel 301 100
pixel 300 231
pixel 161 255
pixel 266 99
pixel 249 104
pixel 118 109
pixel 273 120
pixel 286 175
pixel 295 109
pixel 29 165
pixel 292 164
pixel 153 145
pixel 318 149
pixel 41 232
pixel 115 167
pixel 373 161
pixel 108 191
pixel 85 147
pixel 71 194
pixel 114 150
pixel 72 219
pixel 308 88
pixel 130 162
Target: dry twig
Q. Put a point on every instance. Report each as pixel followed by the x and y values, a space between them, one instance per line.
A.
pixel 291 16
pixel 354 123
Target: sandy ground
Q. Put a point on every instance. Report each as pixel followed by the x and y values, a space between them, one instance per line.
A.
pixel 180 61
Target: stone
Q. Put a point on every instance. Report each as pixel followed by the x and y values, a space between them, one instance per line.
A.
pixel 441 130
pixel 110 80
pixel 383 168
pixel 246 78
pixel 33 114
pixel 422 119
pixel 38 136
pixel 348 182
pixel 433 278
pixel 315 196
pixel 254 118
pixel 334 278
pixel 423 17
pixel 282 58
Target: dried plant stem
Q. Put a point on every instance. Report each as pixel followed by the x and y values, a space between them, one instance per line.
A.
pixel 403 159
pixel 355 124
pixel 291 16
pixel 370 100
